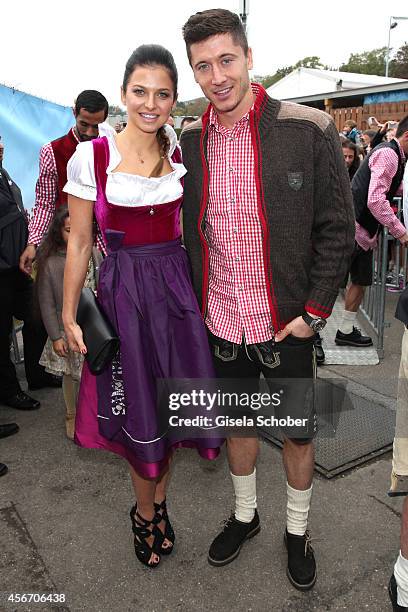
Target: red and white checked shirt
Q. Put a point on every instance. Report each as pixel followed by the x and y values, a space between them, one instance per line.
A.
pixel 383 165
pixel 237 295
pixel 45 195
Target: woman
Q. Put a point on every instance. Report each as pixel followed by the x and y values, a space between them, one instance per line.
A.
pixel 132 182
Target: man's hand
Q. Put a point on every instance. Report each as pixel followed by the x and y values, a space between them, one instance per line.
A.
pixel 297 328
pixel 60 347
pixel 404 239
pixel 26 259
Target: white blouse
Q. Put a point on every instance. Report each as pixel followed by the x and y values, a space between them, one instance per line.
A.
pixel 122 188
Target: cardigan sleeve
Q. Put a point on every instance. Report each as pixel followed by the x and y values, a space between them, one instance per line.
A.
pixel 333 233
pixel 48 304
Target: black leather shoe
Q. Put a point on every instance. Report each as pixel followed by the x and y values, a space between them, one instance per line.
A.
pixel 301 569
pixel 393 593
pixel 355 338
pixel 3 469
pixel 227 545
pixel 48 381
pixel 22 401
pixel 8 429
pixel 320 356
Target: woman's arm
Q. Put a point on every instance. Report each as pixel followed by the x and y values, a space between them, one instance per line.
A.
pixel 78 253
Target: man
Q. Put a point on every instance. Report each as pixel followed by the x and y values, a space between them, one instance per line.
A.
pixel 7 429
pixel 267 254
pixel 398 585
pixel 351 158
pixel 16 300
pixel 375 184
pixel 90 110
pixel 186 121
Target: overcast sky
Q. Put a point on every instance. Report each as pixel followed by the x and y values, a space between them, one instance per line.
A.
pixel 57 49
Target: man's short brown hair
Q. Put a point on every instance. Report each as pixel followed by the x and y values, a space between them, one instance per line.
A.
pixel 204 24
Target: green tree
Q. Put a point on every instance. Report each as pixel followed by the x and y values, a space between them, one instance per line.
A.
pixel 399 65
pixel 369 62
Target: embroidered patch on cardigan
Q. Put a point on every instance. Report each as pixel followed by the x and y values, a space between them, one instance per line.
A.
pixel 295 180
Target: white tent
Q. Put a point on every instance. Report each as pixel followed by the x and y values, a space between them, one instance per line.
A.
pixel 310 81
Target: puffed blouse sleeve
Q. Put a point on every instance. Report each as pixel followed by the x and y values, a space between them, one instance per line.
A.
pixel 81 173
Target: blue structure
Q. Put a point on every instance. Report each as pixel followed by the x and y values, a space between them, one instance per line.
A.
pixel 27 123
pixel 388 96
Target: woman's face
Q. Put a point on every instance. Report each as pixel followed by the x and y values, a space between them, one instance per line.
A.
pixel 66 228
pixel 149 97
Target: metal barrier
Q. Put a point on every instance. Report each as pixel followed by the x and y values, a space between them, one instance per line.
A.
pixel 373 306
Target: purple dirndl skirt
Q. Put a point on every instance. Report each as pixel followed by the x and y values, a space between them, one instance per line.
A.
pixel 147 294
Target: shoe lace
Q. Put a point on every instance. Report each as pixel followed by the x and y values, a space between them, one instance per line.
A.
pixel 308 542
pixel 227 522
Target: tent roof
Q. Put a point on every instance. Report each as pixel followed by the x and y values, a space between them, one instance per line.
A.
pixel 310 81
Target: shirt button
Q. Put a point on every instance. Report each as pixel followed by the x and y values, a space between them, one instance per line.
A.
pixel 240 288
pixel 231 169
pixel 232 200
pixel 235 230
pixel 236 258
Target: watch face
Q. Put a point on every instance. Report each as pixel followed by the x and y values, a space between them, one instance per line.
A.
pixel 318 324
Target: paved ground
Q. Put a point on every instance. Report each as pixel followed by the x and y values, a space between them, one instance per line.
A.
pixel 64 525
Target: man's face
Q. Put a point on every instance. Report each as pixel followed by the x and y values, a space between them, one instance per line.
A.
pixel 365 139
pixel 221 69
pixel 403 140
pixel 1 152
pixel 348 156
pixel 346 129
pixel 87 124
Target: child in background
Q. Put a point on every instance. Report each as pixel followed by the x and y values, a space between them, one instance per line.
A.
pixel 57 358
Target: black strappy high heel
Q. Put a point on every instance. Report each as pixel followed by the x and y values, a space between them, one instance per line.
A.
pixel 143 529
pixel 161 510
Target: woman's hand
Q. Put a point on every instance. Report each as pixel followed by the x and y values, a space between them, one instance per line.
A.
pixel 75 338
pixel 60 347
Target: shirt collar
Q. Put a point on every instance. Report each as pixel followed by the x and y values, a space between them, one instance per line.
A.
pixel 74 134
pixel 214 119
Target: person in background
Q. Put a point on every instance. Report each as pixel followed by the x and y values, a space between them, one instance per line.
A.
pixel 377 181
pixel 186 121
pixel 398 584
pixel 351 132
pixel 57 357
pixel 90 111
pixel 351 157
pixel 16 292
pixel 366 140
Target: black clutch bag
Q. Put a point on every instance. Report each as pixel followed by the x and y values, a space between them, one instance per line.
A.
pixel 100 338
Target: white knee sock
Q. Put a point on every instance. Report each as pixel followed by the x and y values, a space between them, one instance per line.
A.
pixel 401 577
pixel 347 322
pixel 245 496
pixel 297 510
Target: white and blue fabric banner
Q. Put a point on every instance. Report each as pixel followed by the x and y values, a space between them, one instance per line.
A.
pixel 26 124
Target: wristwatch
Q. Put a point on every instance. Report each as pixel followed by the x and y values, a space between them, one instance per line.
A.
pixel 315 324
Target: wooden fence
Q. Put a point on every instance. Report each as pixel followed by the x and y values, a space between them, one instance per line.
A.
pixel 386 111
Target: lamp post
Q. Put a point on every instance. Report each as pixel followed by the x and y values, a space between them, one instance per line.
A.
pixel 393 24
pixel 243 8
